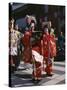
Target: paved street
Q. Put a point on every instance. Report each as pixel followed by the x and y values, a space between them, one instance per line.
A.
pixel 24 77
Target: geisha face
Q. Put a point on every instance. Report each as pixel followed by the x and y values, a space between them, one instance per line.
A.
pixel 28 20
pixel 27 33
pixel 46 31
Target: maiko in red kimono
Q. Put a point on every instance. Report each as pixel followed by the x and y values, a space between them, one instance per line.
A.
pixel 47 53
pixel 46 45
pixel 27 53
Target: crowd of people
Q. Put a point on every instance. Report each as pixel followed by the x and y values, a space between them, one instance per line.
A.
pixel 40 53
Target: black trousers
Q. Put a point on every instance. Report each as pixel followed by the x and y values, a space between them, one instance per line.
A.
pixel 16 61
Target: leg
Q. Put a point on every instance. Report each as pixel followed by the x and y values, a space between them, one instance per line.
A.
pixel 37 71
pixel 48 68
pixel 16 61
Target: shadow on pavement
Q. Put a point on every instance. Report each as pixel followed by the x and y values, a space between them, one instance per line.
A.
pixel 24 75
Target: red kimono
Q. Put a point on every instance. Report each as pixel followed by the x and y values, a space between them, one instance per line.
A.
pixel 46 45
pixel 27 53
pixel 37 69
pixel 47 53
pixel 53 45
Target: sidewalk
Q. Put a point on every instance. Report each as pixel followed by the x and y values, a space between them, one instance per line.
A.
pixel 24 77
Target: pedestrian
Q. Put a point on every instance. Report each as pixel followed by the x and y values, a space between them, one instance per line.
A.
pixel 27 52
pixel 14 37
pixel 46 51
pixel 26 41
pixel 52 43
pixel 52 47
pixel 61 41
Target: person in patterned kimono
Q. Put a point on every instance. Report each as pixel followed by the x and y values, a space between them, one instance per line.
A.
pixel 52 46
pixel 27 53
pixel 26 40
pixel 53 43
pixel 45 42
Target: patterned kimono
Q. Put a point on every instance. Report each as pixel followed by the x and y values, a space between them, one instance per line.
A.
pixel 53 45
pixel 46 45
pixel 37 63
pixel 27 53
pixel 47 53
